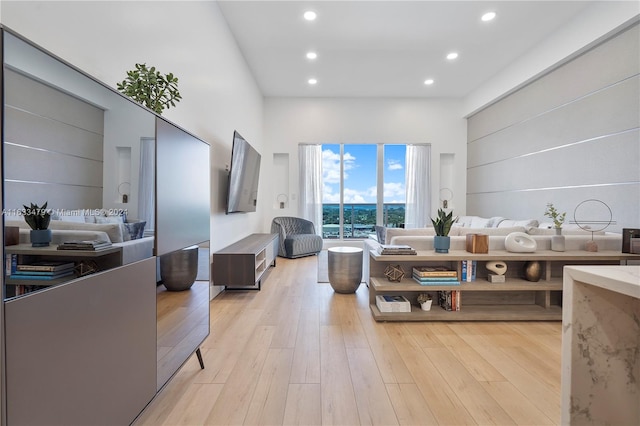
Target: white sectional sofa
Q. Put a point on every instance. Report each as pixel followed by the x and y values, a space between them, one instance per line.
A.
pixel 95 226
pixel 497 228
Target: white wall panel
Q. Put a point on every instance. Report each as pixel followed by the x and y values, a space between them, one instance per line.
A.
pixel 81 197
pixel 37 165
pixel 600 67
pixel 66 169
pixel 572 135
pixel 51 135
pixel 46 101
pixel 597 114
pixel 600 161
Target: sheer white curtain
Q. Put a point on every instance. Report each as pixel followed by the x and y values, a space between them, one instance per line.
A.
pixel 418 184
pixel 310 178
pixel 146 190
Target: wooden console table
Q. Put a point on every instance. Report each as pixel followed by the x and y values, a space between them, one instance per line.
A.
pixel 514 299
pixel 104 259
pixel 241 265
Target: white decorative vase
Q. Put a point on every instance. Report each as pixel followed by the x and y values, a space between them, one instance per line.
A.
pixel 557 241
pixel 426 306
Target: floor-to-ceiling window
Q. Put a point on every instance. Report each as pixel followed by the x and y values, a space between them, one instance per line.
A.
pixel 363 185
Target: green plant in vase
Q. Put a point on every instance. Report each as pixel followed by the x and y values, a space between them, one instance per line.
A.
pixel 442 225
pixel 38 219
pixel 557 241
pixel 555 216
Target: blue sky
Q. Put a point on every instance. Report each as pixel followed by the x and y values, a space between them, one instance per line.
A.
pixel 360 173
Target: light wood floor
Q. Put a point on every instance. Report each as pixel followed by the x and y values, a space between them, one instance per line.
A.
pixel 298 353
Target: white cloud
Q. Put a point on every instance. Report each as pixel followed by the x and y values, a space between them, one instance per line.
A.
pixel 394 165
pixel 328 196
pixel 353 196
pixel 331 180
pixel 331 165
pixel 394 190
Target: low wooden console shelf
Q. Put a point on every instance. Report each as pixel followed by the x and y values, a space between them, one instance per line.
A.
pixel 241 265
pixel 99 260
pixel 514 299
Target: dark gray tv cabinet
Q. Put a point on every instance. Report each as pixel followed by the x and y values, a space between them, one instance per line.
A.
pixel 241 265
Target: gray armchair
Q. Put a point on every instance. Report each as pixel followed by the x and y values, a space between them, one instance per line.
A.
pixel 298 237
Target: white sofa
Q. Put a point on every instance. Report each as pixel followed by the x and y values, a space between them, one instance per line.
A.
pixel 116 232
pixel 421 239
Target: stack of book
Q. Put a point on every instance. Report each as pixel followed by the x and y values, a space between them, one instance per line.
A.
pixel 395 249
pixel 85 245
pixel 435 275
pixel 450 300
pixel 44 271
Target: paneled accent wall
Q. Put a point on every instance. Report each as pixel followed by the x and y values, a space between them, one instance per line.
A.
pixel 59 138
pixel 570 136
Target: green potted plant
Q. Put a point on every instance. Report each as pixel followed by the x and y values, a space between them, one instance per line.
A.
pixel 442 225
pixel 150 88
pixel 38 219
pixel 425 301
pixel 556 216
pixel 557 241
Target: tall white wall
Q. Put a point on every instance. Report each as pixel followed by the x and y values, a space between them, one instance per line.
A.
pixel 289 122
pixel 189 39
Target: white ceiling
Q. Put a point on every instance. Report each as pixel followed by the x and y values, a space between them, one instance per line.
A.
pixel 387 48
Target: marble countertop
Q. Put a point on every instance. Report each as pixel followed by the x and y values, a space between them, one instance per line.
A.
pixel 621 279
pixel 600 341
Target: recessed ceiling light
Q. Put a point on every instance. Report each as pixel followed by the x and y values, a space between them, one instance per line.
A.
pixel 312 55
pixel 451 56
pixel 310 15
pixel 312 81
pixel 428 81
pixel 488 16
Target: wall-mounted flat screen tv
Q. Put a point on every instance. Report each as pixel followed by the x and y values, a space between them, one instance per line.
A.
pixel 242 194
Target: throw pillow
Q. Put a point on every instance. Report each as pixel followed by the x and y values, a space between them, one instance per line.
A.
pixel 135 230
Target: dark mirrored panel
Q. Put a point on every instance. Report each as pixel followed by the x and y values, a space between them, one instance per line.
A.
pixel 86 152
pixel 183 215
pixel 108 170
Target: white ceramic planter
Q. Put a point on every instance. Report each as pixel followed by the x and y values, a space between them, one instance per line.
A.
pixel 426 306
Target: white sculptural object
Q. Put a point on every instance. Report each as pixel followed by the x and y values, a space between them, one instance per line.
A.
pixel 520 242
pixel 497 267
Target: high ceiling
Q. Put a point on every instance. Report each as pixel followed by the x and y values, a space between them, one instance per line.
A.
pixel 387 48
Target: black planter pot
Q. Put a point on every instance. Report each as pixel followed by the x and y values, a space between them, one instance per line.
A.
pixel 40 237
pixel 179 269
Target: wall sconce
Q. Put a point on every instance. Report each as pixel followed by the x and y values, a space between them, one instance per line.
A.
pixel 282 200
pixel 446 195
pixel 124 189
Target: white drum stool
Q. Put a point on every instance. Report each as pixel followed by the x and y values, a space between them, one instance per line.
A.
pixel 345 268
